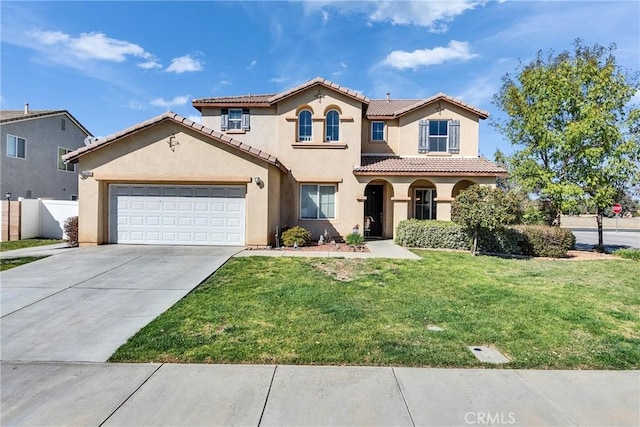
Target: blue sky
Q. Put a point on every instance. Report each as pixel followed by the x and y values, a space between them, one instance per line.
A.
pixel 113 64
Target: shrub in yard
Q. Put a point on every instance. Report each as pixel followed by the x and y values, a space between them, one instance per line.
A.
pixel 501 241
pixel 542 240
pixel 71 230
pixel 297 235
pixel 354 239
pixel 418 233
pixel 628 253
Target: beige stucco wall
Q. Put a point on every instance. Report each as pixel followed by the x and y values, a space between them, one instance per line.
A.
pixel 145 157
pixel 319 162
pixel 402 133
pixel 262 133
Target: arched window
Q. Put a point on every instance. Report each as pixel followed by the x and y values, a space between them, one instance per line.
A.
pixel 333 126
pixel 304 125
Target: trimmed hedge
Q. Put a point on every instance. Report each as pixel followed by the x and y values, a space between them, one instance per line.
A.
pixel 530 240
pixel 416 233
pixel 542 240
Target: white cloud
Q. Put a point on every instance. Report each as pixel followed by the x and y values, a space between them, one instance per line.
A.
pixel 148 65
pixel 195 118
pixel 636 98
pixel 250 66
pixel 456 50
pixel 279 79
pixel 341 70
pixel 90 46
pixel 184 64
pixel 178 101
pixel 434 15
pixel 135 105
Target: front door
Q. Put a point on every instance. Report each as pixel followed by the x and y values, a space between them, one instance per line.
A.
pixel 373 210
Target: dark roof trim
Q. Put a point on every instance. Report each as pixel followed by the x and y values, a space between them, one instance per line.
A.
pixel 38 114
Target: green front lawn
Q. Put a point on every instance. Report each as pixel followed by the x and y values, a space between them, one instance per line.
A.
pixel 27 243
pixel 6 264
pixel 540 313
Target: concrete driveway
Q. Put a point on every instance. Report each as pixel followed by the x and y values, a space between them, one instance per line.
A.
pixel 81 306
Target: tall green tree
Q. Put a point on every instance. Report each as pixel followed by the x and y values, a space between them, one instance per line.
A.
pixel 481 207
pixel 575 131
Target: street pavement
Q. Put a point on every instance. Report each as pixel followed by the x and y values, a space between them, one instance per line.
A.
pixel 586 238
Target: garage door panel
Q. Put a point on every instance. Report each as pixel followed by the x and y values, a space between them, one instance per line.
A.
pixel 199 215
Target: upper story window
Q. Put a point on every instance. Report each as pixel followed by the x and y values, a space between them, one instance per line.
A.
pixel 69 167
pixel 377 131
pixel 333 126
pixel 63 124
pixel 304 125
pixel 16 147
pixel 235 119
pixel 439 136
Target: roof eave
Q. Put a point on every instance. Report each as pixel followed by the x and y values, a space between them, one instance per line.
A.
pixel 428 173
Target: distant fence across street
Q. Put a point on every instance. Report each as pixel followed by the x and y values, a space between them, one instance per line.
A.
pixel 37 218
pixel 589 221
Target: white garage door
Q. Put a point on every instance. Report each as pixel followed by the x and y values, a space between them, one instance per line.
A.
pixel 177 215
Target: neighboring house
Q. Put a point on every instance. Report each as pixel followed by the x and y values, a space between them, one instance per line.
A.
pixel 33 143
pixel 319 155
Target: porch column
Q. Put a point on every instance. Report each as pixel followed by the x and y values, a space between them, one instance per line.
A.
pixel 444 199
pixel 401 202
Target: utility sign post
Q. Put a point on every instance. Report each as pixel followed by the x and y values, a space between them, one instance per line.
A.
pixel 616 208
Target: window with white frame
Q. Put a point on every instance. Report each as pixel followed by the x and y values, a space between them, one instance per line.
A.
pixel 317 201
pixel 235 119
pixel 424 203
pixel 439 136
pixel 305 125
pixel 377 131
pixel 333 126
pixel 16 147
pixel 69 167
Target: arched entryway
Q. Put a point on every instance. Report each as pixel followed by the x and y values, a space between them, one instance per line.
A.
pixel 461 186
pixel 423 199
pixel 378 210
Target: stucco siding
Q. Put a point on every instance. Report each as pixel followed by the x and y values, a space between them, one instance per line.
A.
pixel 146 157
pixel 262 133
pixel 37 175
pixel 407 136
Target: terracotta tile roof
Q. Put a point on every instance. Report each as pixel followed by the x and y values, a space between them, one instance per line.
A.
pixel 395 108
pixel 320 81
pixel 103 142
pixel 7 116
pixel 384 108
pixel 240 101
pixel 428 166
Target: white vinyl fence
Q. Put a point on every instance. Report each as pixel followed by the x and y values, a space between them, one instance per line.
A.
pixel 45 218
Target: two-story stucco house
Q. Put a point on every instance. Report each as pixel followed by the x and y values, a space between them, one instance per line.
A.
pixel 33 143
pixel 318 155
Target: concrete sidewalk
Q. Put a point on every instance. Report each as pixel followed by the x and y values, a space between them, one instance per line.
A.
pixel 55 394
pixel 377 249
pixel 44 250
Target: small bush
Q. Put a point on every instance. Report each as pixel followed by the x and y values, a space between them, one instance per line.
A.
pixel 628 253
pixel 416 233
pixel 71 230
pixel 298 235
pixel 542 240
pixel 354 239
pixel 501 241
